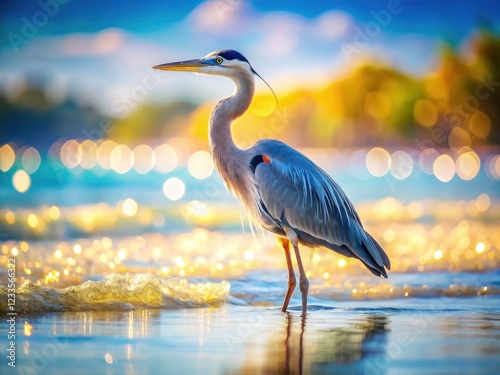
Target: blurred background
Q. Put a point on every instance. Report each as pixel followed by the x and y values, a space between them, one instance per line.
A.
pixel 104 163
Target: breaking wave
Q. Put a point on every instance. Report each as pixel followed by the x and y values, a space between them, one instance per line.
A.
pixel 118 292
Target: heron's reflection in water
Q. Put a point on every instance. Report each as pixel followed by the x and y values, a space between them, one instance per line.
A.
pixel 349 346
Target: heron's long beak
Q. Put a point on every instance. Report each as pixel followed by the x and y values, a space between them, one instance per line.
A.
pixel 184 66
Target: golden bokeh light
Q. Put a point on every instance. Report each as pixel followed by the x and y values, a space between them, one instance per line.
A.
pixel 104 153
pixel 480 247
pixel 200 165
pixel 166 158
pixel 483 202
pixel 129 207
pixel 480 124
pixel 32 220
pixel 77 249
pixel 378 161
pixel 401 165
pixel 174 188
pixel 263 107
pixel 156 253
pixel 10 217
pixel 425 112
pixel 28 328
pixel 444 168
pixel 144 159
pixel 121 159
pixel 31 160
pixel 7 157
pixel 468 165
pixel 54 213
pixel 458 137
pixel 21 181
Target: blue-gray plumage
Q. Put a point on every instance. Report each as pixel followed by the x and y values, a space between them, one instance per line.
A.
pixel 280 188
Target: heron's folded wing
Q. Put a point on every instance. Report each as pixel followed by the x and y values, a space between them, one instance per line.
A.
pixel 298 192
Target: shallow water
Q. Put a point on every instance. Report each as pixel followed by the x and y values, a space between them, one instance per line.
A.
pixel 446 335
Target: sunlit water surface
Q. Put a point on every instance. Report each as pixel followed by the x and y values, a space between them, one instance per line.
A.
pixel 386 337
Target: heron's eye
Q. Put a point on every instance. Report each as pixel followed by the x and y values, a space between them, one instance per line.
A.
pixel 219 60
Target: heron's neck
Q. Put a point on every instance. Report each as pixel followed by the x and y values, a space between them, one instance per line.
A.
pixel 221 141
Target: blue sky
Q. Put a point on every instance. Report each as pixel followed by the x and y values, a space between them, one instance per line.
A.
pixel 102 51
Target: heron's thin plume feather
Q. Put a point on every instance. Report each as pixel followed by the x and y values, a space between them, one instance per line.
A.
pixel 270 88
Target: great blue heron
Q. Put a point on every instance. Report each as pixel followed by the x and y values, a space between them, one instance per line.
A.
pixel 279 187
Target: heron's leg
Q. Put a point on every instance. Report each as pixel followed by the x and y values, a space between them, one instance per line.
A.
pixel 303 282
pixel 291 274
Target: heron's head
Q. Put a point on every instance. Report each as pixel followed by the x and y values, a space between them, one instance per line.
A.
pixel 226 63
pixel 221 63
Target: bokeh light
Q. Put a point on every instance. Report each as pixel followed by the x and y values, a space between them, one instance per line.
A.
pixel 401 165
pixel 483 202
pixel 468 165
pixel 378 161
pixel 200 165
pixel 144 159
pixel 32 220
pixel 21 181
pixel 31 160
pixel 129 207
pixel 88 151
pixel 495 167
pixel 166 158
pixel 480 124
pixel 458 137
pixel 426 160
pixel 444 168
pixel 54 212
pixel 174 188
pixel 104 153
pixel 425 112
pixel 121 159
pixel 71 154
pixel 7 157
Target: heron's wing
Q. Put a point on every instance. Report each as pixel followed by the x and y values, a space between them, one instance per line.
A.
pixel 298 193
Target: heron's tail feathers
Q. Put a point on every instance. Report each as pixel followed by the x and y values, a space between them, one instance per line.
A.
pixel 385 259
pixel 373 256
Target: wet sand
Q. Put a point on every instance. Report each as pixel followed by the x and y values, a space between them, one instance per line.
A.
pixel 431 336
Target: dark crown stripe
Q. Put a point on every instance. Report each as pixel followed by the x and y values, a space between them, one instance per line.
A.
pixel 230 54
